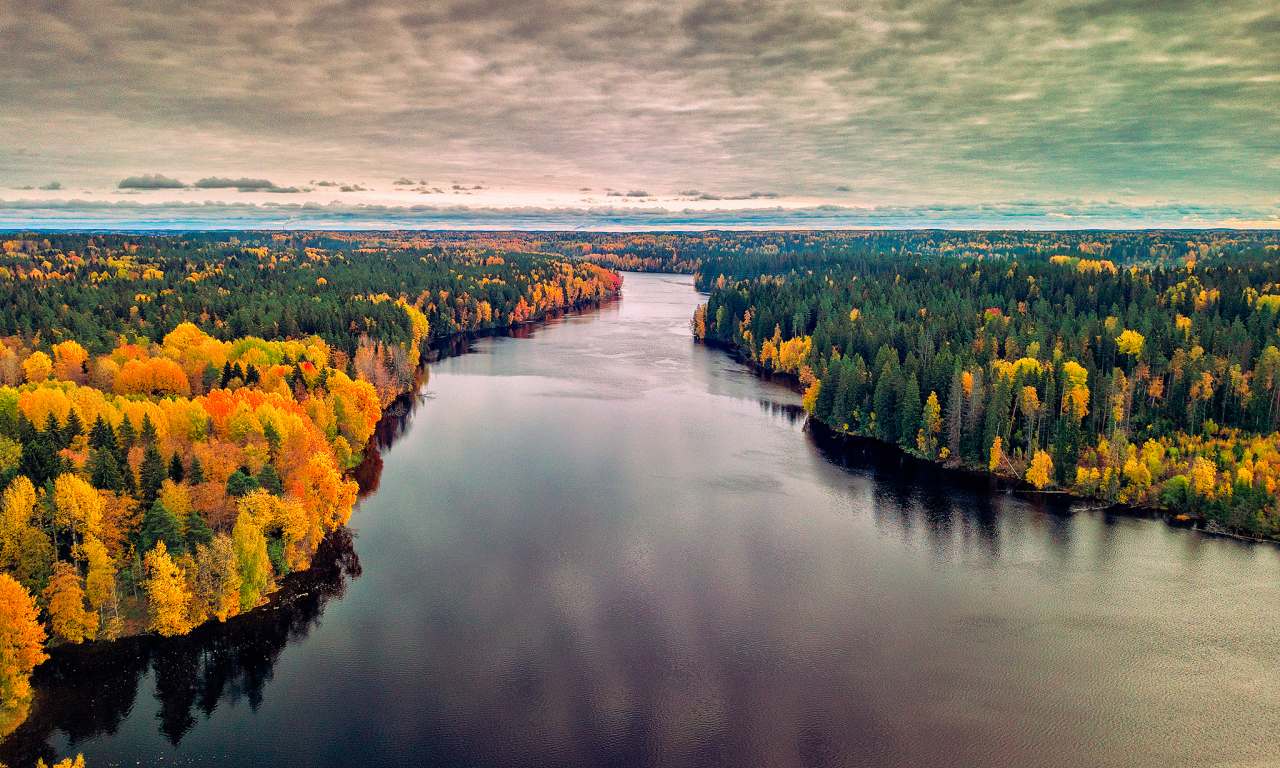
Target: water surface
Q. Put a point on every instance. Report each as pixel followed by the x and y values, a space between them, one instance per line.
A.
pixel 604 545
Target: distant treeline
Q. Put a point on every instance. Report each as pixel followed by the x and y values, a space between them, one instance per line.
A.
pixel 93 288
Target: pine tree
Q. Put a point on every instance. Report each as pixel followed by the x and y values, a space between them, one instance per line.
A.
pixel 126 435
pixel 102 435
pixel 72 429
pixel 148 433
pixel 886 422
pixel 910 405
pixel 269 480
pixel 176 471
pixel 273 438
pixel 198 531
pixel 159 524
pixel 104 472
pixel 53 432
pixel 210 376
pixel 196 475
pixel 240 483
pixel 151 474
pixel 955 413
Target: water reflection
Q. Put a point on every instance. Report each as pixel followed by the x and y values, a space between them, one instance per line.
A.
pixel 87 691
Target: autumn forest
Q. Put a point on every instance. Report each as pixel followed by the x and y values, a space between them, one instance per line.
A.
pixel 179 417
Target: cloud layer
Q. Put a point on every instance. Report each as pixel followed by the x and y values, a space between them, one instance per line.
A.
pixel 939 101
pixel 1058 214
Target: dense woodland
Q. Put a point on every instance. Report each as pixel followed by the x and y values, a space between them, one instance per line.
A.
pixel 178 417
pixel 772 251
pixel 1155 386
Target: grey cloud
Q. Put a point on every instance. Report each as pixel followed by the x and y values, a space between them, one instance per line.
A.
pixel 904 101
pixel 242 184
pixel 1019 214
pixel 51 186
pixel 154 181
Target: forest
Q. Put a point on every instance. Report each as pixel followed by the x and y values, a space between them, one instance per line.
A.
pixel 1150 386
pixel 179 418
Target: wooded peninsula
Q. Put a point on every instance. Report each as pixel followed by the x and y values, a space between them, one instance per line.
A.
pixel 179 415
pixel 1149 379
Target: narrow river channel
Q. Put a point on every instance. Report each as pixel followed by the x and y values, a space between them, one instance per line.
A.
pixel 605 545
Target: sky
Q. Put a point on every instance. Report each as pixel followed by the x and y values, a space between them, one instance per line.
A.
pixel 671 114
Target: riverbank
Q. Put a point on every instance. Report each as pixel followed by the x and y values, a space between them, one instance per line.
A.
pixel 842 446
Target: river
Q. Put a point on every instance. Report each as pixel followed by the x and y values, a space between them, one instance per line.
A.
pixel 605 545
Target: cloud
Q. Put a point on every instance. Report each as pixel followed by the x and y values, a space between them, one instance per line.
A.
pixel 1019 214
pixel 904 102
pixel 242 184
pixel 53 185
pixel 155 181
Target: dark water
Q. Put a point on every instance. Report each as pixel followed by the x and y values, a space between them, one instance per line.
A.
pixel 603 545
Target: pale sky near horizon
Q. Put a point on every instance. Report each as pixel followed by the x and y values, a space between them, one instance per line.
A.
pixel 966 112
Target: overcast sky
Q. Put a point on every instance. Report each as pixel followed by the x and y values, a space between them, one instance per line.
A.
pixel 1138 111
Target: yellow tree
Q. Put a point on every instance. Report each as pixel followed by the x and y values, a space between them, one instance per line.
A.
pixel 1075 390
pixel 25 550
pixel 37 367
pixel 77 507
pixel 1041 469
pixel 1130 343
pixel 21 647
pixel 100 586
pixel 218 577
pixel 997 454
pixel 166 588
pixel 251 560
pixel 930 426
pixel 69 360
pixel 67 615
pixel 66 763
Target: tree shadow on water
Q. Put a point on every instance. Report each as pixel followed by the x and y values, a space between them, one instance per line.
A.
pixel 89 690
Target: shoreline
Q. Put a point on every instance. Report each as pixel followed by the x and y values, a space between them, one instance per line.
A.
pixel 1058 501
pixel 385 432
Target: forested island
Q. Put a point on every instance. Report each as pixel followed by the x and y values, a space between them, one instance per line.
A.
pixel 179 415
pixel 1153 383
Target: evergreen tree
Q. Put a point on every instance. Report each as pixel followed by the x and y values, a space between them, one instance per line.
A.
pixel 151 474
pixel 273 438
pixel 911 405
pixel 886 422
pixel 227 375
pixel 241 483
pixel 955 412
pixel 159 524
pixel 126 436
pixel 104 472
pixel 196 475
pixel 53 432
pixel 73 428
pixel 101 435
pixel 130 478
pixel 176 471
pixel 198 530
pixel 269 480
pixel 210 376
pixel 148 433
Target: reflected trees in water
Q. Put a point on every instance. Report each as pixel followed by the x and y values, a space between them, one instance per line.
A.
pixel 89 690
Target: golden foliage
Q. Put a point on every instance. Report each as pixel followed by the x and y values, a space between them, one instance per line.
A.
pixel 67 614
pixel 166 586
pixel 21 642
